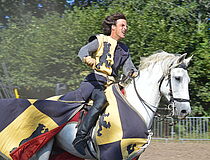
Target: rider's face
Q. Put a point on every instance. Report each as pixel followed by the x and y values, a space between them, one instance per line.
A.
pixel 119 30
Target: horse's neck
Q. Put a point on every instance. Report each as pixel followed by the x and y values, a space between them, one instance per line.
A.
pixel 148 89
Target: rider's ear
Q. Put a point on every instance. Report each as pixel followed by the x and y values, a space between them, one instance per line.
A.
pixel 113 27
pixel 187 61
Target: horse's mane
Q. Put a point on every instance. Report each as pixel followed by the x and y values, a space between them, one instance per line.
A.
pixel 165 58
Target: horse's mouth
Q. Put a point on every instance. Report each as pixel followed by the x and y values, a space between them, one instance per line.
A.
pixel 182 116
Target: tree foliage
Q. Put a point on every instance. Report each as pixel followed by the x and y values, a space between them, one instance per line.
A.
pixel 20 10
pixel 42 50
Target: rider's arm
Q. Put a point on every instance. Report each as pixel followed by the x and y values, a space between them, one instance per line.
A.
pixel 88 49
pixel 129 67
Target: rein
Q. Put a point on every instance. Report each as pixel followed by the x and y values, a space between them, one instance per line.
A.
pixel 141 99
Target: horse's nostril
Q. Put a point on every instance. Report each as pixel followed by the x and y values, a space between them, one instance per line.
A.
pixel 184 111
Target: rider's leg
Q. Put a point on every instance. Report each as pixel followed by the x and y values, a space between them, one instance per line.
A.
pixel 82 93
pixel 86 88
pixel 89 120
pixel 73 96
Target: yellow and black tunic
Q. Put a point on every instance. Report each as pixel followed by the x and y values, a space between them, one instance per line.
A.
pixel 105 54
pixel 110 55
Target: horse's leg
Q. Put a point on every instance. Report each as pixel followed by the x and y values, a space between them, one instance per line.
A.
pixel 44 152
pixel 65 138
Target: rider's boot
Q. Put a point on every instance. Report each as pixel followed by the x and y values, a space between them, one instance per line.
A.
pixel 88 122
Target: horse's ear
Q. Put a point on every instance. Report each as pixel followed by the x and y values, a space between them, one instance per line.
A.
pixel 181 58
pixel 178 61
pixel 187 61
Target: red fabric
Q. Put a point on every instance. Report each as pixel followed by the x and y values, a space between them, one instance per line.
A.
pixel 28 149
pixel 123 91
pixel 136 158
pixel 65 156
pixel 75 118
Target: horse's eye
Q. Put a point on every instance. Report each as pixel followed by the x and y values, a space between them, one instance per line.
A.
pixel 178 78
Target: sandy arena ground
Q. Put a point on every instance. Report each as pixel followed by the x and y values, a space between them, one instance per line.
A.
pixel 177 151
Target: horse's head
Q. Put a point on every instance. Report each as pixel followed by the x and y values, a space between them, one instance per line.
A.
pixel 174 86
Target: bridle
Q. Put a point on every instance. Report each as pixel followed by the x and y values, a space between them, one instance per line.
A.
pixel 172 98
pixel 171 106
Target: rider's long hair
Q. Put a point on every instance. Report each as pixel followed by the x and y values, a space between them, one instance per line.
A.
pixel 111 20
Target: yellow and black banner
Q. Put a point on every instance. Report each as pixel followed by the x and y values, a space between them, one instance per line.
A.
pixel 24 119
pixel 121 131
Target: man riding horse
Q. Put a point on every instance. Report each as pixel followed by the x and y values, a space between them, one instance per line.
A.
pixel 105 55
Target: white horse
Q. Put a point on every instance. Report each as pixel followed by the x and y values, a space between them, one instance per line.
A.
pixel 161 74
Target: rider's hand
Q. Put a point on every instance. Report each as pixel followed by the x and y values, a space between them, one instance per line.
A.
pixel 135 74
pixel 90 61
